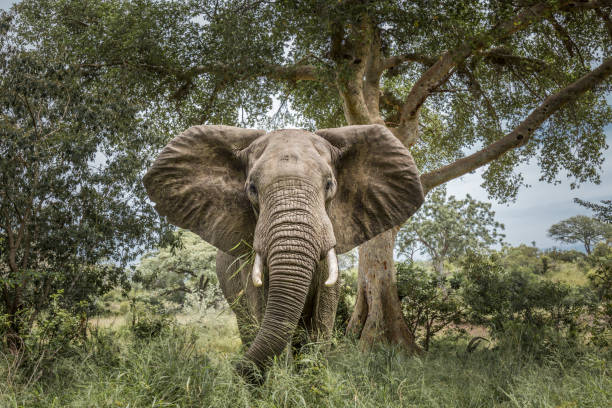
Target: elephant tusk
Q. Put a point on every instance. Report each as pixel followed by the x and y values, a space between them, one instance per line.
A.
pixel 256 274
pixel 332 265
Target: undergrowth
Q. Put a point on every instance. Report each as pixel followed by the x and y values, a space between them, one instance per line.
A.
pixel 176 369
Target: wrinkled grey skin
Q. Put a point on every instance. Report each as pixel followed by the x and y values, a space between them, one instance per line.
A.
pixel 292 195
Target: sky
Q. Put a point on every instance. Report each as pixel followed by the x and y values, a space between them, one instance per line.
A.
pixel 537 207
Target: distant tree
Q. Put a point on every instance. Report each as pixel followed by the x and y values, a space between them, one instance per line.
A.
pixel 603 211
pixel 445 228
pixel 175 272
pixel 579 228
pixel 72 209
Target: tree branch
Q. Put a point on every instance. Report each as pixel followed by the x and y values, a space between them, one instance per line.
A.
pixel 476 89
pixel 294 72
pixel 439 72
pixel 503 56
pixel 565 38
pixel 522 133
pixel 585 5
pixel 392 62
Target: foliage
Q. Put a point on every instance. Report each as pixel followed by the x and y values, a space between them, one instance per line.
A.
pixel 183 274
pixel 149 318
pixel 603 211
pixel 521 308
pixel 72 208
pixel 444 228
pixel 346 297
pixel 601 282
pixel 570 255
pixel 580 228
pixel 225 62
pixel 524 259
pixel 173 369
pixel 428 304
pixel 58 333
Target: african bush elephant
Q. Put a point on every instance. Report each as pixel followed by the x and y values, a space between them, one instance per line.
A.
pixel 297 198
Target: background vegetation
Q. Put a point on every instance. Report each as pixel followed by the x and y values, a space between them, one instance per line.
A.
pixel 103 304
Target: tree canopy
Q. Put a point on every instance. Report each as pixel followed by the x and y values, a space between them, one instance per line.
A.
pixel 72 208
pixel 445 228
pixel 603 211
pixel 480 69
pixel 580 228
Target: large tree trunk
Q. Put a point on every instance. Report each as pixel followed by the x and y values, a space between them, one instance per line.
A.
pixel 377 316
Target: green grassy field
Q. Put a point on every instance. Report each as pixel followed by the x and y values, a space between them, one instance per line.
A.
pixel 190 365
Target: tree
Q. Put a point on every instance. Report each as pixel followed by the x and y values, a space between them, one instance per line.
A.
pixel 445 228
pixel 174 273
pixel 603 211
pixel 510 80
pixel 579 228
pixel 72 211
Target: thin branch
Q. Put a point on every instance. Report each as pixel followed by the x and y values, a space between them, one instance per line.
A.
pixel 533 92
pixel 605 16
pixel 476 89
pixel 294 72
pixel 522 133
pixel 30 111
pixel 392 62
pixel 503 56
pixel 565 38
pixel 585 5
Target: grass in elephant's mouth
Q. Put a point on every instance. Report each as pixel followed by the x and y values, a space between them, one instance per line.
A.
pixel 190 366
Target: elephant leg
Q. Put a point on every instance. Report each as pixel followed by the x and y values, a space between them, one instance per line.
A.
pixel 241 295
pixel 317 322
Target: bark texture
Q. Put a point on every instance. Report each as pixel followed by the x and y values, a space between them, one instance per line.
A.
pixel 377 316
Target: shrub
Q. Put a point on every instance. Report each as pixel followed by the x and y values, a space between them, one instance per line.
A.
pixel 565 256
pixel 520 307
pixel 58 333
pixel 601 283
pixel 429 303
pixel 149 317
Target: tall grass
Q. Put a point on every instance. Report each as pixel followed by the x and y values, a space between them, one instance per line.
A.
pixel 186 367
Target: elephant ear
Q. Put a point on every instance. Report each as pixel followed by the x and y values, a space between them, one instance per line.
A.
pixel 378 183
pixel 197 182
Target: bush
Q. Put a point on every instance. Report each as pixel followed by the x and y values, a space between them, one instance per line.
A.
pixel 149 317
pixel 525 259
pixel 58 333
pixel 601 282
pixel 429 304
pixel 522 308
pixel 565 256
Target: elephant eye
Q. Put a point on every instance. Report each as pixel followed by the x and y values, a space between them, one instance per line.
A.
pixel 252 189
pixel 328 185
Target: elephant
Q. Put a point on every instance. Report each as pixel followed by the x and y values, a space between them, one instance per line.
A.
pixel 279 206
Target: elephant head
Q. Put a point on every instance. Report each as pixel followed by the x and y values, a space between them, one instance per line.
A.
pixel 297 196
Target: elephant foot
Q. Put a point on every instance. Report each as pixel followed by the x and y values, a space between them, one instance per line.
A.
pixel 250 372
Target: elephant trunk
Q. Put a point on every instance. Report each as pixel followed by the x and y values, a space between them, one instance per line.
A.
pixel 293 242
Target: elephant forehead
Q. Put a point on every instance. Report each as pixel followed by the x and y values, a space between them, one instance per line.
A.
pixel 292 150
